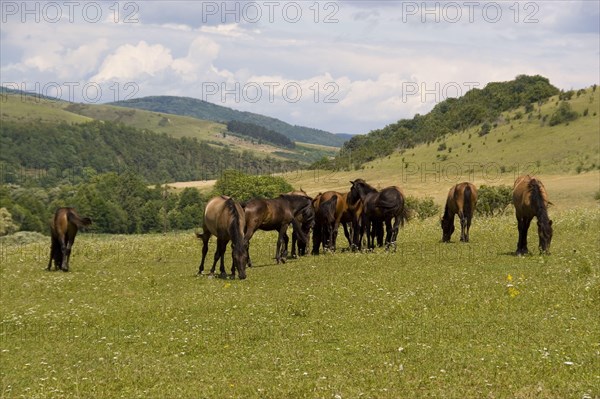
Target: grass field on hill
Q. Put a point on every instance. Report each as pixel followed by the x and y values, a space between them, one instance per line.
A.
pixel 29 108
pixel 453 320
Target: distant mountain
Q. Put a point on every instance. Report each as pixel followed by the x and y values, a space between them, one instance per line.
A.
pixel 200 109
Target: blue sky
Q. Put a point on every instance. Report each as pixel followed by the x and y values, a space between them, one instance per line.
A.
pixel 344 66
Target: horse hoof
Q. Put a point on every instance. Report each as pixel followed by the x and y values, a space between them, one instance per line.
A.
pixel 223 275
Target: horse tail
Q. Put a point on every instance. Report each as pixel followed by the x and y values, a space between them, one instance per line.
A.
pixel 537 201
pixel 467 197
pixel 77 220
pixel 405 213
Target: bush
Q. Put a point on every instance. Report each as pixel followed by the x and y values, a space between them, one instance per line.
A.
pixel 422 208
pixel 493 200
pixel 244 187
pixel 485 129
pixel 563 113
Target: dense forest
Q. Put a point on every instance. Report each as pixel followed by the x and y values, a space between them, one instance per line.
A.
pixel 260 133
pixel 477 106
pixel 124 203
pixel 53 151
pixel 204 110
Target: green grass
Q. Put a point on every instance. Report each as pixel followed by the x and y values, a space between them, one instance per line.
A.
pixel 132 320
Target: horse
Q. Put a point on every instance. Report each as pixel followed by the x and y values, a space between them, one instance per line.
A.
pixel 225 219
pixel 461 200
pixel 63 229
pixel 530 199
pixel 306 225
pixel 379 207
pixel 277 214
pixel 344 214
pixel 325 217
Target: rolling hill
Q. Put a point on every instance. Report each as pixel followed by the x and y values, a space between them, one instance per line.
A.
pixel 208 111
pixel 23 107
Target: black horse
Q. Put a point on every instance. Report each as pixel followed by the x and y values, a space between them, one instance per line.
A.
pixel 323 231
pixel 379 207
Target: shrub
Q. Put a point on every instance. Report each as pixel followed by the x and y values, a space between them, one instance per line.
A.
pixel 563 113
pixel 493 200
pixel 422 208
pixel 244 187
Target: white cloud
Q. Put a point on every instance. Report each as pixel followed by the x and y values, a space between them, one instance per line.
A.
pixel 370 55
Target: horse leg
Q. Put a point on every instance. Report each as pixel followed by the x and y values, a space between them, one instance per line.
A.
pixel 525 230
pixel 280 241
pixel 68 252
pixel 294 243
pixel 347 234
pixel 379 233
pixel 52 252
pixel 63 250
pixel 388 232
pixel 395 228
pixel 284 254
pixel 523 226
pixel 463 225
pixel 317 238
pixel 468 227
pixel 247 236
pixel 334 234
pixel 205 237
pixel 219 254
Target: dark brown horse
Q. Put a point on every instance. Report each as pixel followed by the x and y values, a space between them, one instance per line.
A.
pixel 530 199
pixel 325 218
pixel 225 219
pixel 461 200
pixel 63 229
pixel 345 214
pixel 277 214
pixel 379 207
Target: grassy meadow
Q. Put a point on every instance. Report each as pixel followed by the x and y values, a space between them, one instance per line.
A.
pixel 131 319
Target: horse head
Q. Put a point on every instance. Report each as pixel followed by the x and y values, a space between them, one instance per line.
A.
pixel 447 228
pixel 545 234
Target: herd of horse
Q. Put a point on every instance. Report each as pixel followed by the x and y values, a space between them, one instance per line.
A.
pixel 363 212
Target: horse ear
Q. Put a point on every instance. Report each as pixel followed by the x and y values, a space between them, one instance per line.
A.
pixel 351 182
pixel 551 223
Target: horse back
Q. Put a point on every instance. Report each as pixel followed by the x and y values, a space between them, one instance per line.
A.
pixel 216 217
pixel 522 196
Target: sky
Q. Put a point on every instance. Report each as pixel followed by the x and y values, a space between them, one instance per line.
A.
pixel 340 66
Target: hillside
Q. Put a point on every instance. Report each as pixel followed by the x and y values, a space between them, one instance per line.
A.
pixel 21 107
pixel 565 156
pixel 449 116
pixel 204 110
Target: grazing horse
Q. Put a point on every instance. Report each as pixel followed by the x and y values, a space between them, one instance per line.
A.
pixel 379 207
pixel 344 214
pixel 325 217
pixel 306 225
pixel 530 199
pixel 461 200
pixel 277 214
pixel 63 229
pixel 225 219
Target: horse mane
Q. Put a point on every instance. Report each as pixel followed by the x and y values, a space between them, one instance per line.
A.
pixel 234 225
pixel 368 188
pixel 538 203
